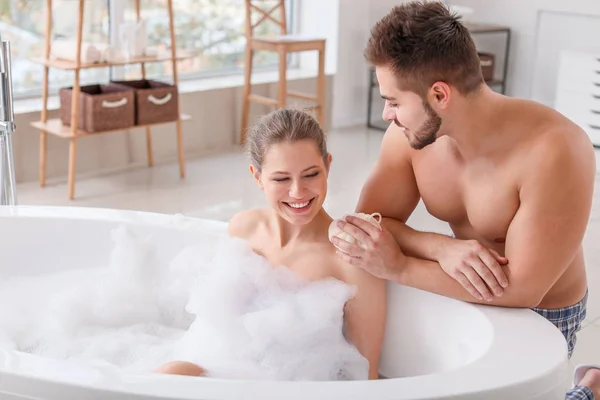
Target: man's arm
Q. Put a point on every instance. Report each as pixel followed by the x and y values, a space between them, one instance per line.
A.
pixel 544 236
pixel 392 191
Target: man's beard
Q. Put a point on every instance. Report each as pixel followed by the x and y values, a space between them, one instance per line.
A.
pixel 427 133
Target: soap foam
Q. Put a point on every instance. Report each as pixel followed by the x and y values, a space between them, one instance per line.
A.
pixel 217 304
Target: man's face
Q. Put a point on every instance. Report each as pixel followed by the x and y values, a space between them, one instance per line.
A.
pixel 408 110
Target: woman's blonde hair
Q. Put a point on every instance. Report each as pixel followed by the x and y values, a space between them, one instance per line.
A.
pixel 283 125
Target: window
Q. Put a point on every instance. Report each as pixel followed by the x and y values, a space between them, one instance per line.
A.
pixel 214 29
pixel 23 22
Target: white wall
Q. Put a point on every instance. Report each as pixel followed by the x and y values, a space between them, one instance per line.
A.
pixel 539 33
pixel 350 90
pixel 320 19
pixel 538 27
pixel 350 85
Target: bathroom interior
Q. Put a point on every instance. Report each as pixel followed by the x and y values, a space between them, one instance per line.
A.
pixel 179 168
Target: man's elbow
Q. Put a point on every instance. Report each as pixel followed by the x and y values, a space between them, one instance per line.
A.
pixel 522 297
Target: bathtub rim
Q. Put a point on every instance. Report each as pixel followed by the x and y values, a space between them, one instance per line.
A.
pixel 550 353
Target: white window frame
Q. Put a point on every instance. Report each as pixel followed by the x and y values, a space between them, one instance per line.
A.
pixel 116 9
pixel 117 12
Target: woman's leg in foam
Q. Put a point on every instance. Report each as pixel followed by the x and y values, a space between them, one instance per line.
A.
pixel 181 368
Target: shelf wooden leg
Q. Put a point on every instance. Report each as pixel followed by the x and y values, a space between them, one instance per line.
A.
pixel 75 105
pixel 44 116
pixel 74 125
pixel 138 15
pixel 321 89
pixel 149 146
pixel 173 43
pixel 282 87
pixel 43 162
pixel 246 95
pixel 143 72
pixel 180 152
pixel 72 162
pixel 43 134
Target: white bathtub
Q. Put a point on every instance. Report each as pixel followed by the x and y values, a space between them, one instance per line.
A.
pixel 435 348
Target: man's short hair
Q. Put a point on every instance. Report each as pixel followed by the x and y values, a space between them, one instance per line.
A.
pixel 423 42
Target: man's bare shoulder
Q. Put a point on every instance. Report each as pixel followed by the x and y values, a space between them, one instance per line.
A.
pixel 245 223
pixel 563 140
pixel 549 135
pixel 558 149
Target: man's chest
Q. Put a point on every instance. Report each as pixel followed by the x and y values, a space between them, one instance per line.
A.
pixel 479 200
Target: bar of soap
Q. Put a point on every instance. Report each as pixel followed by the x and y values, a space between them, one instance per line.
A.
pixel 374 219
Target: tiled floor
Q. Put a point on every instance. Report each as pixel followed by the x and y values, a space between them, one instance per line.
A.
pixel 216 187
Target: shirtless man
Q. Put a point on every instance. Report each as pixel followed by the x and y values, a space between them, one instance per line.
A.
pixel 513 179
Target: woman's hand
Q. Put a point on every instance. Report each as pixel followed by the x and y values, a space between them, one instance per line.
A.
pixel 477 268
pixel 379 254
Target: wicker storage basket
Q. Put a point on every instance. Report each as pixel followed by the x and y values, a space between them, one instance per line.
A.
pixel 155 101
pixel 101 107
pixel 487 65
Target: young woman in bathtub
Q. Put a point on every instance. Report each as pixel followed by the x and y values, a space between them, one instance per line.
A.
pixel 290 163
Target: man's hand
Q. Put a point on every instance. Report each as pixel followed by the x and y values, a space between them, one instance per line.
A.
pixel 477 268
pixel 378 253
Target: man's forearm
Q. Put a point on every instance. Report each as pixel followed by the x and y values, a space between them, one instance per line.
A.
pixel 427 275
pixel 424 245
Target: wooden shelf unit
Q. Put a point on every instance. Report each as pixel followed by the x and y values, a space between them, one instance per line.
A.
pixel 72 65
pixel 55 127
pixel 71 133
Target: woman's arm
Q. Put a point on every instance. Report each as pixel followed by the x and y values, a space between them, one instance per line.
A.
pixel 391 190
pixel 365 315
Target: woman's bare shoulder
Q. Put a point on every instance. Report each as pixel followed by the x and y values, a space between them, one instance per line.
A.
pixel 245 223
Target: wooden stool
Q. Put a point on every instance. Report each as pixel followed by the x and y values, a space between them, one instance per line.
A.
pixel 283 45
